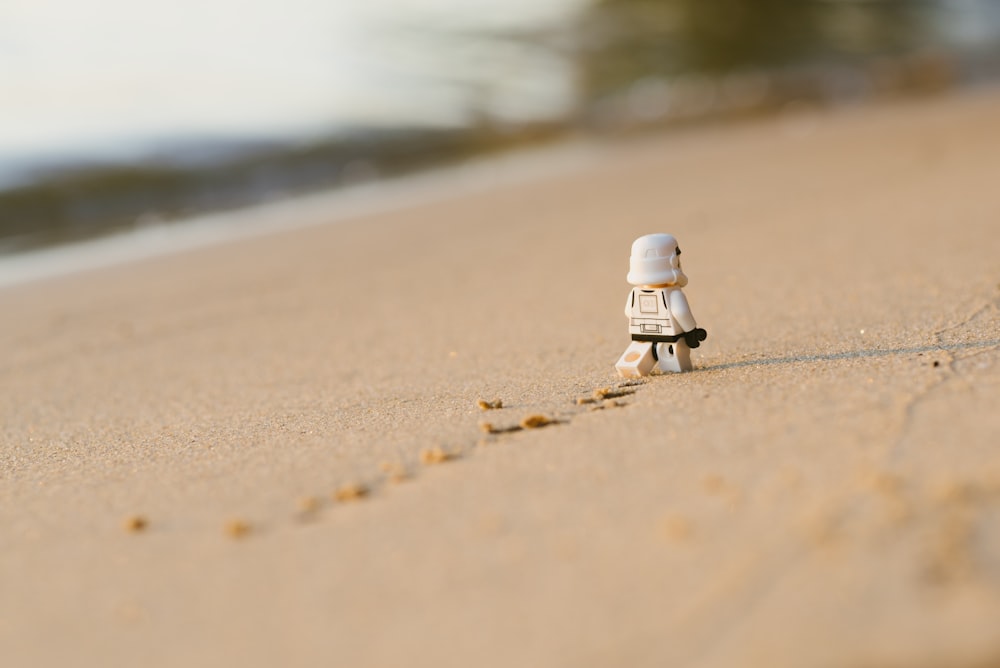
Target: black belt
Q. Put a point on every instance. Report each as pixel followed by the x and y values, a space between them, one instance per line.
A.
pixel 654 338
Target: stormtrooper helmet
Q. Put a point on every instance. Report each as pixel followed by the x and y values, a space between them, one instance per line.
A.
pixel 656 260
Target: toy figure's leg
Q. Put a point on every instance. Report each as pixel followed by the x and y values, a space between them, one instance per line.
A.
pixel 674 357
pixel 637 360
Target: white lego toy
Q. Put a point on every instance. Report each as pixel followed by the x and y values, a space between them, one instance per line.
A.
pixel 659 318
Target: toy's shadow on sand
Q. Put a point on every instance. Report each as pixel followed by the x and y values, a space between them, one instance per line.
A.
pixel 856 354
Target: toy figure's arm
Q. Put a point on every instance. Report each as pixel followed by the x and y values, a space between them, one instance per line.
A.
pixel 693 335
pixel 681 311
pixel 628 304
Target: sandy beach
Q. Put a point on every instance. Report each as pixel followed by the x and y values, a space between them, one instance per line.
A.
pixel 294 418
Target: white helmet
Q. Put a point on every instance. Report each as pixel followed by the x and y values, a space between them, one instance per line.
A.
pixel 656 261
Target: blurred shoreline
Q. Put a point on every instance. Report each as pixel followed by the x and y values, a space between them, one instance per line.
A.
pixel 155 238
pixel 87 201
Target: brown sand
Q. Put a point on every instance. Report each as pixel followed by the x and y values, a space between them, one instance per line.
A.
pixel 824 489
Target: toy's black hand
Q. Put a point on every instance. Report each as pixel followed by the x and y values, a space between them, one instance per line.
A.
pixel 695 337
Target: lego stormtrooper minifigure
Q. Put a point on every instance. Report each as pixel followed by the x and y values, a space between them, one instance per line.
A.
pixel 660 321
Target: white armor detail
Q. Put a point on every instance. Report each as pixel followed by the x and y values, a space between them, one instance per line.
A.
pixel 648 311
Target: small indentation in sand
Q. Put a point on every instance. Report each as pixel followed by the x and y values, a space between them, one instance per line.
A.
pixel 436 455
pixel 135 523
pixel 718 486
pixel 394 471
pixel 237 528
pixel 604 393
pixel 308 504
pixel 536 421
pixel 490 428
pixel 714 483
pixel 822 524
pixel 352 491
pixel 677 529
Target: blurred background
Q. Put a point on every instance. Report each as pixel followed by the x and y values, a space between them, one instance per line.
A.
pixel 116 114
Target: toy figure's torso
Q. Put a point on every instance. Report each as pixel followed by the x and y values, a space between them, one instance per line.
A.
pixel 650 319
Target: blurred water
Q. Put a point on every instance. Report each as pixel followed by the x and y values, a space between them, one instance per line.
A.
pixel 114 79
